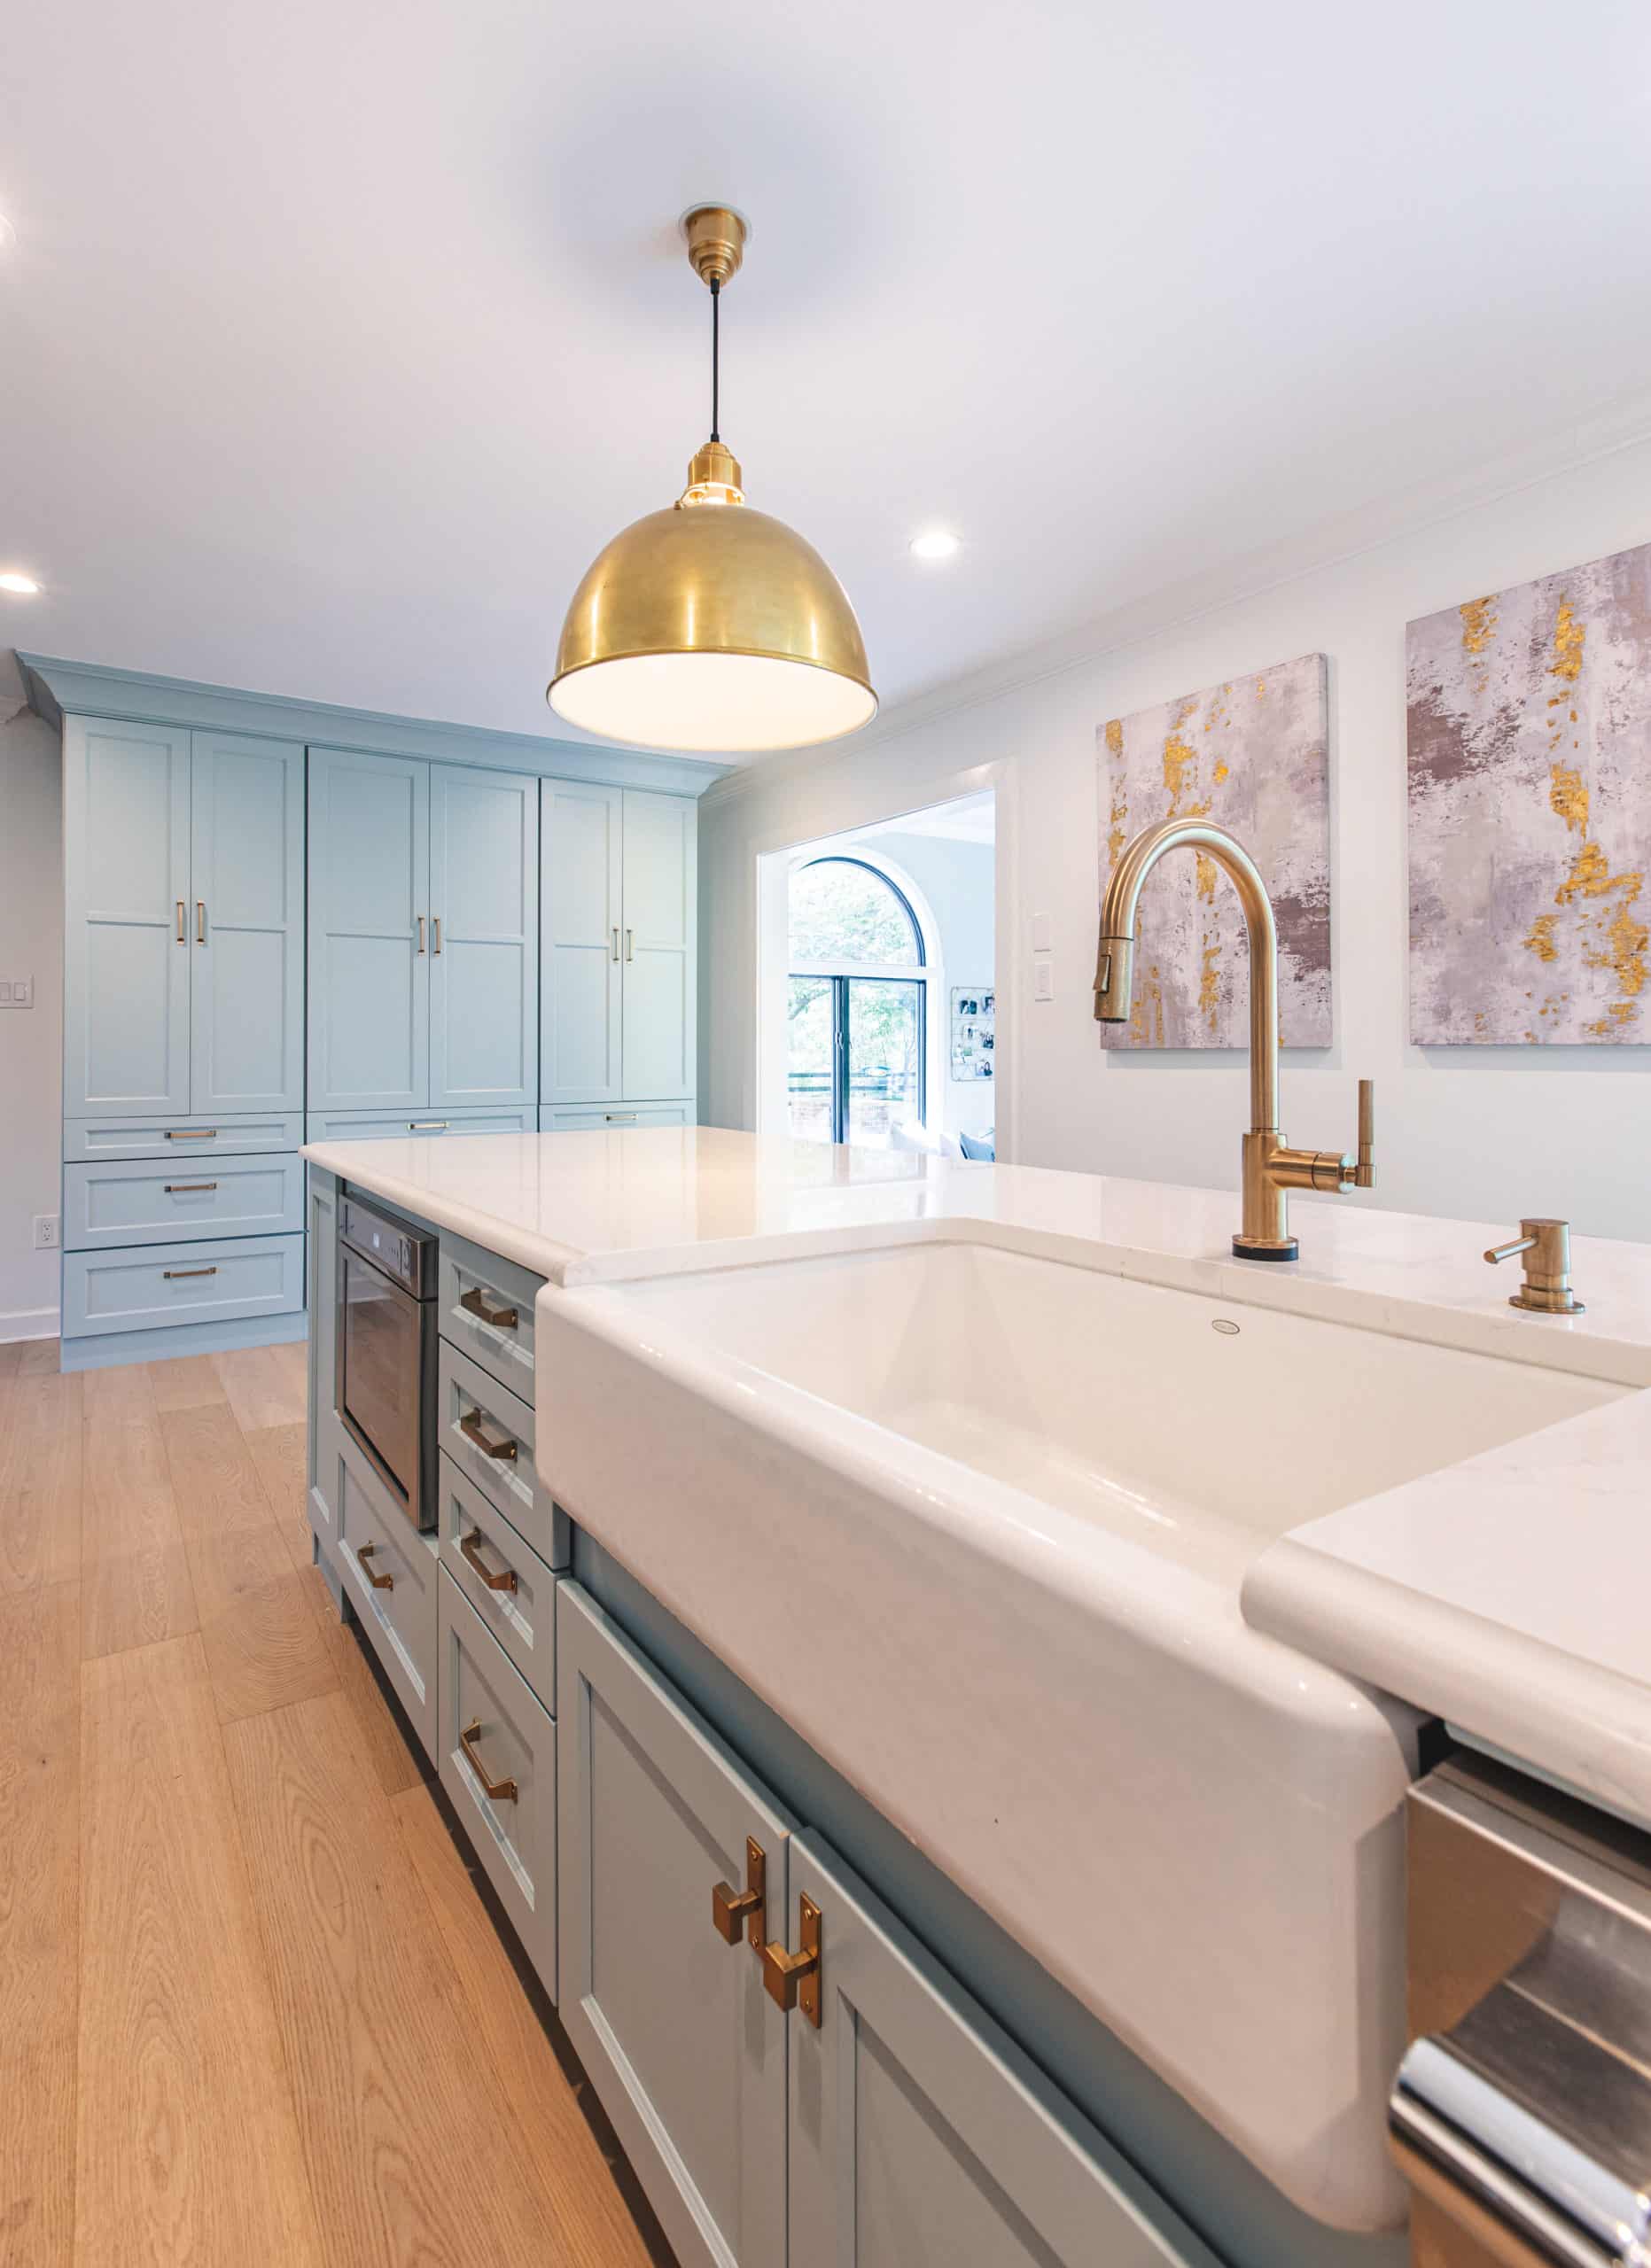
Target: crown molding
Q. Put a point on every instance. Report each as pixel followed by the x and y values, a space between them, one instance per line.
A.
pixel 1327 544
pixel 56 688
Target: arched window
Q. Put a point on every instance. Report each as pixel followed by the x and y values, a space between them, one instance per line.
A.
pixel 859 1005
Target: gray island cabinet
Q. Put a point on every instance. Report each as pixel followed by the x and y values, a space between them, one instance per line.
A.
pixel 670 1854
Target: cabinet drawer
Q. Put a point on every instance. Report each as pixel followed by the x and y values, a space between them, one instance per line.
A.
pixel 474 1409
pixel 379 1126
pixel 497 1762
pixel 616 1116
pixel 154 1286
pixel 88 1139
pixel 505 1579
pixel 488 1311
pixel 135 1202
pixel 389 1573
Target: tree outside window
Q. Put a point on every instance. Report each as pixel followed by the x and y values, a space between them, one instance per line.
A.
pixel 858 1005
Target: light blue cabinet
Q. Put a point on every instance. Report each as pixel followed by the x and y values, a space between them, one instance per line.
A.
pixel 620 946
pixel 583 832
pixel 368 932
pixel 484 936
pixel 246 876
pixel 423 937
pixel 125 879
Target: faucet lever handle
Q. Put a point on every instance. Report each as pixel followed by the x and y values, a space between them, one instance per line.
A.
pixel 1364 1172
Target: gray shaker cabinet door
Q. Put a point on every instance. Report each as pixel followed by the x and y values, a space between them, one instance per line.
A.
pixel 920 2137
pixel 680 2040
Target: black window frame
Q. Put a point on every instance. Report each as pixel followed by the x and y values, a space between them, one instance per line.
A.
pixel 840 980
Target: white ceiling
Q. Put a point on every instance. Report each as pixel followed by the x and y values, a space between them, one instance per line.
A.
pixel 336 337
pixel 965 818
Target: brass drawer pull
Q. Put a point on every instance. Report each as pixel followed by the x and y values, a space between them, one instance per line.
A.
pixel 201 920
pixel 490 1440
pixel 470 1545
pixel 620 1117
pixel 498 1791
pixel 183 934
pixel 192 1133
pixel 792 1979
pixel 364 1552
pixel 168 1273
pixel 426 1125
pixel 729 1907
pixel 480 1303
pixel 187 1188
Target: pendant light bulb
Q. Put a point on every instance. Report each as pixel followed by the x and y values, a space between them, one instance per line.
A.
pixel 709 626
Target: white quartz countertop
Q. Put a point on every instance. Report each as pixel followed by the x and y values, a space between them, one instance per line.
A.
pixel 1506 1594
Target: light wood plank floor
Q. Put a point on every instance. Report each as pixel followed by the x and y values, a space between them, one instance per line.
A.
pixel 256 2009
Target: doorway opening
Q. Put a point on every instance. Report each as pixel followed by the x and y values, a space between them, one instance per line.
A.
pixel 891 1038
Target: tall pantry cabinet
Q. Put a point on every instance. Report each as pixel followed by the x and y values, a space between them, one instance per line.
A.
pixel 274 935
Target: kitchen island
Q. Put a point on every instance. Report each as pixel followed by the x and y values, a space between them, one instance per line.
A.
pixel 800 1528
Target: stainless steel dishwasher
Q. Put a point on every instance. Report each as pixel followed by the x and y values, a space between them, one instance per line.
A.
pixel 1522 2113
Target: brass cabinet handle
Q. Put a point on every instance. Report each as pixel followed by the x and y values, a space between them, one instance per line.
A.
pixel 492 1440
pixel 426 1125
pixel 186 1188
pixel 421 933
pixel 630 945
pixel 201 920
pixel 436 926
pixel 168 1273
pixel 616 945
pixel 619 1117
pixel 364 1552
pixel 192 1133
pixel 498 1791
pixel 729 1907
pixel 480 1303
pixel 182 912
pixel 470 1545
pixel 792 1979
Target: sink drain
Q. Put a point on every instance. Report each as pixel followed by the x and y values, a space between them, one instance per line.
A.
pixel 1228 1329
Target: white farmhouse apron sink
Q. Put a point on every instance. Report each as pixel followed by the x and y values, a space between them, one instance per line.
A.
pixel 974 1521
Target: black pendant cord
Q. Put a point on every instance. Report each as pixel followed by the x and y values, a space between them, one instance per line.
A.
pixel 716 302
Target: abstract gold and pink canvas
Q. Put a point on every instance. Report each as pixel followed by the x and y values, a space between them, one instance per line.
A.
pixel 1253 756
pixel 1529 791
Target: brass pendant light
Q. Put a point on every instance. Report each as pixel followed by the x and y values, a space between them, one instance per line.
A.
pixel 709 626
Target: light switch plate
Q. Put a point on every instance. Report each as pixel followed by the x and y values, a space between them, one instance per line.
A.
pixel 1043 977
pixel 22 991
pixel 1043 933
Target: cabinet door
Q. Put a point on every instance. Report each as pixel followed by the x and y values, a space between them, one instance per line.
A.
pixel 126 979
pixel 368 932
pixel 661 932
pixel 247 924
pixel 678 2037
pixel 583 886
pixel 484 937
pixel 922 2137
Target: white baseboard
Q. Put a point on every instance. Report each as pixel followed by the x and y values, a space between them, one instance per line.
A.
pixel 28 1323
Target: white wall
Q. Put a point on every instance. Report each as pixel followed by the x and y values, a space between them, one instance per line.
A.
pixel 1485 1133
pixel 957 879
pixel 31 1039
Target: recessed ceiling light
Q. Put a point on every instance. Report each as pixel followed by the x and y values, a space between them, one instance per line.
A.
pixel 24 585
pixel 934 543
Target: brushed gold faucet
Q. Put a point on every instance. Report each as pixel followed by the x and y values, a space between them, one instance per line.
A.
pixel 1270 1169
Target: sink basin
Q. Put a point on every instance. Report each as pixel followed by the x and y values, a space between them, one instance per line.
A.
pixel 974 1520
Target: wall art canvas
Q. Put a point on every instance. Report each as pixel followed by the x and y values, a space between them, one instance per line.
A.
pixel 1252 755
pixel 974 1032
pixel 1530 794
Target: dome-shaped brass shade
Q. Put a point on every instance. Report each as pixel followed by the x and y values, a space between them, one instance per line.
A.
pixel 711 626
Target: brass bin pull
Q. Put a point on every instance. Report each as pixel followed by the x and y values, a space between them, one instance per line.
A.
pixel 183 916
pixel 186 1188
pixel 192 1133
pixel 730 1906
pixel 168 1273
pixel 498 1791
pixel 470 1545
pixel 480 1303
pixel 792 1979
pixel 363 1552
pixel 201 920
pixel 492 1440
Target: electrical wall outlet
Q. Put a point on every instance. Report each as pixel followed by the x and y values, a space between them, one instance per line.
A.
pixel 45 1232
